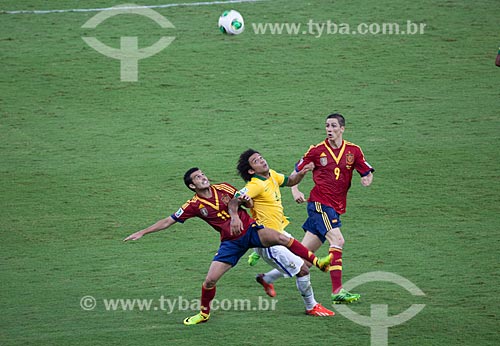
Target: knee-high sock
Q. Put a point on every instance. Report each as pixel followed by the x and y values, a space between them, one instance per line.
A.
pixel 207 295
pixel 300 250
pixel 304 286
pixel 336 269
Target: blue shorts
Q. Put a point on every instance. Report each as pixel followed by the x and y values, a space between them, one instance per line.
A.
pixel 230 251
pixel 321 219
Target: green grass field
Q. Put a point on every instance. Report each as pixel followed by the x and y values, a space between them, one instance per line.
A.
pixel 86 159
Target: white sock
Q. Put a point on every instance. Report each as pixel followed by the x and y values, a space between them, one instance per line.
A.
pixel 272 276
pixel 306 290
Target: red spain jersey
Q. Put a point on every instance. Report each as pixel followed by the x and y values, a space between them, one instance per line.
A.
pixel 332 174
pixel 214 211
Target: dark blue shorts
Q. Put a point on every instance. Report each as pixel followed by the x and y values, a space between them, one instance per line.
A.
pixel 230 251
pixel 321 219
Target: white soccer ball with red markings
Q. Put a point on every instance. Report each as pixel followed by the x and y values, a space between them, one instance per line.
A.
pixel 231 22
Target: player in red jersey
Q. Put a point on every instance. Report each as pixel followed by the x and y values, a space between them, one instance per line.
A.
pixel 211 203
pixel 335 160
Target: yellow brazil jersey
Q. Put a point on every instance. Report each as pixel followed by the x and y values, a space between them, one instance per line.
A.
pixel 267 209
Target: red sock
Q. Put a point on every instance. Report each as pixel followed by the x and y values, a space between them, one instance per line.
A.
pixel 300 250
pixel 207 294
pixel 336 269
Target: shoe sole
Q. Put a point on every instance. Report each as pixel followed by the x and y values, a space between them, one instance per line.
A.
pixel 193 324
pixel 325 315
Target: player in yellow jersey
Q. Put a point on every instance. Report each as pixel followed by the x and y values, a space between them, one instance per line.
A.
pixel 262 190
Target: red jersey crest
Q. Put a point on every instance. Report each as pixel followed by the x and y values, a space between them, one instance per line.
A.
pixel 323 160
pixel 225 199
pixel 349 158
pixel 203 210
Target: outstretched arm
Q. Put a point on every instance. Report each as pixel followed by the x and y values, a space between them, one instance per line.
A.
pixel 158 226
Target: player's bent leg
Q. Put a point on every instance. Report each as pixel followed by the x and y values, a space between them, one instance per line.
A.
pixel 215 272
pixel 304 270
pixel 285 264
pixel 311 241
pixel 339 294
pixel 335 237
pixel 269 237
pixel 208 290
pixel 300 250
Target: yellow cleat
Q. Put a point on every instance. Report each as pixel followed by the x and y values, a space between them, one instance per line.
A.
pixel 324 263
pixel 198 318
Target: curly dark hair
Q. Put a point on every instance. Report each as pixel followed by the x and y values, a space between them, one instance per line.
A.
pixel 243 164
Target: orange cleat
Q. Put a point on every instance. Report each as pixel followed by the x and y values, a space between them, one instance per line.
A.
pixel 320 310
pixel 269 288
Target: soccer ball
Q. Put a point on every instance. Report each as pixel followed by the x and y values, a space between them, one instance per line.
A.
pixel 231 23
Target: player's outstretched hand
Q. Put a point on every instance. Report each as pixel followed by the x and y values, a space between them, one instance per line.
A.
pixel 134 236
